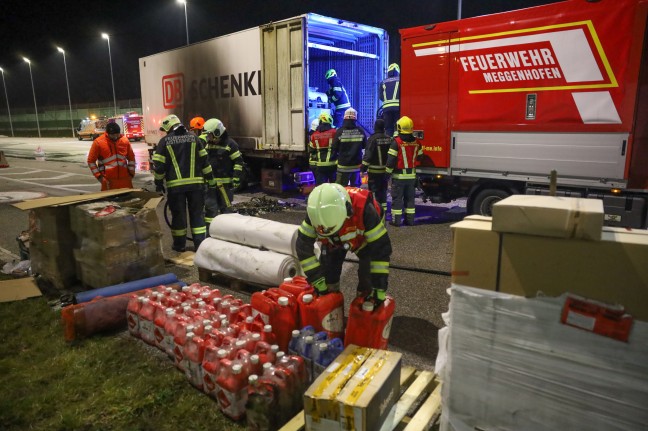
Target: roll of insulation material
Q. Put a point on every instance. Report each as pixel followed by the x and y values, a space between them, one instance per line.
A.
pixel 246 263
pixel 255 232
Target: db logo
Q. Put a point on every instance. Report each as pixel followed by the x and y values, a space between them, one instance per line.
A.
pixel 172 90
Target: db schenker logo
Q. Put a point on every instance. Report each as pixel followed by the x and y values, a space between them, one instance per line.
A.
pixel 172 90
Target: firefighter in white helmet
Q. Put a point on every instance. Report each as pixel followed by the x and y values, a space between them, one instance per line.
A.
pixel 341 220
pixel 349 142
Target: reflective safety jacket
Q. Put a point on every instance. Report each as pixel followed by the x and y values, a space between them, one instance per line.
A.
pixel 225 158
pixel 389 93
pixel 402 157
pixel 321 146
pixel 375 156
pixel 181 161
pixel 337 94
pixel 349 142
pixel 114 160
pixel 362 233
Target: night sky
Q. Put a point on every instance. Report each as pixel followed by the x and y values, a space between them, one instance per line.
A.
pixel 139 28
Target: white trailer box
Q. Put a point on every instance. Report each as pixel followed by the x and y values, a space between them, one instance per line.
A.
pixel 266 83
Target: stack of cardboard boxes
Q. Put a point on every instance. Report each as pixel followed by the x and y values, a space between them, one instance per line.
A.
pixel 95 241
pixel 520 355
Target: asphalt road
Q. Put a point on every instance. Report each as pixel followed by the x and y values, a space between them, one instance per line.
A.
pixel 423 249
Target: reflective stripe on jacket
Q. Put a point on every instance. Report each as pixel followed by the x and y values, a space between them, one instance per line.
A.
pixel 402 157
pixel 112 159
pixel 321 146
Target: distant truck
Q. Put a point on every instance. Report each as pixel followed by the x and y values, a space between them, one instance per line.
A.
pixel 131 125
pixel 267 83
pixel 91 128
pixel 499 101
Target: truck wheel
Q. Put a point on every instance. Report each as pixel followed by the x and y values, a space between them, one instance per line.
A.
pixel 80 138
pixel 483 202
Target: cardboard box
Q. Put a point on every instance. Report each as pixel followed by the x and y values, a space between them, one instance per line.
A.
pixel 368 397
pixel 612 270
pixel 554 216
pixel 356 392
pixel 272 180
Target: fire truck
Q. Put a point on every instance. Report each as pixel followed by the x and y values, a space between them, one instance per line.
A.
pixel 131 125
pixel 501 101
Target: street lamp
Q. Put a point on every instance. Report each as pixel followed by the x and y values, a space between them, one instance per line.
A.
pixel 34 93
pixel 184 2
pixel 7 97
pixel 105 36
pixel 67 83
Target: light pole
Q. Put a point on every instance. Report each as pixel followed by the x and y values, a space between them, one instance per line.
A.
pixel 34 93
pixel 458 9
pixel 105 36
pixel 7 97
pixel 184 2
pixel 67 83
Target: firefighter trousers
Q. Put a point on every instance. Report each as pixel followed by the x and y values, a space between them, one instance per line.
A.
pixel 181 203
pixel 332 259
pixel 218 200
pixel 378 186
pixel 349 178
pixel 390 116
pixel 326 174
pixel 402 193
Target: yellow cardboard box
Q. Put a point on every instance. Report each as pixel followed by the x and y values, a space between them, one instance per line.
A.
pixel 611 270
pixel 554 216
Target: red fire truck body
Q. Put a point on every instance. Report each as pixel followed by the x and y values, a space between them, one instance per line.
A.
pixel 131 125
pixel 500 101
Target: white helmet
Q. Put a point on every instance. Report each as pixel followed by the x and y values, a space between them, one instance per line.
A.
pixel 350 114
pixel 328 207
pixel 214 126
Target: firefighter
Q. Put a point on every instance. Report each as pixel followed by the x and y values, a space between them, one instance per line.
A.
pixel 374 162
pixel 344 219
pixel 227 163
pixel 196 125
pixel 111 159
pixel 321 149
pixel 348 143
pixel 403 155
pixel 181 162
pixel 338 96
pixel 312 160
pixel 389 94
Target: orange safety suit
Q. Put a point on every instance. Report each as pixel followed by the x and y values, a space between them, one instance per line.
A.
pixel 114 161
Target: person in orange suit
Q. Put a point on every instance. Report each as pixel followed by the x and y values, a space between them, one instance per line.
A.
pixel 111 159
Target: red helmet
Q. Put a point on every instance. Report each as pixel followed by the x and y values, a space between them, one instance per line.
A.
pixel 197 123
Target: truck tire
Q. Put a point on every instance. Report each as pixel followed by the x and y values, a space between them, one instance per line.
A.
pixel 80 138
pixel 483 202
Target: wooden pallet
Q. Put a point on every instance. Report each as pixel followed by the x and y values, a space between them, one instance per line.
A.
pixel 417 409
pixel 220 279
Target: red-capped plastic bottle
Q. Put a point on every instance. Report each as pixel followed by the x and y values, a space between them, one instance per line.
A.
pixel 324 313
pixel 369 327
pixel 232 391
pixel 194 352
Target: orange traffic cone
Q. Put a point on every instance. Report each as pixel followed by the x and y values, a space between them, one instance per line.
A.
pixel 3 161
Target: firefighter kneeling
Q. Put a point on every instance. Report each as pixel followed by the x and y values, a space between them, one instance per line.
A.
pixel 344 219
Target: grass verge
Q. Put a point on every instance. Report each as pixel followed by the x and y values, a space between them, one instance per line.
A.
pixel 107 382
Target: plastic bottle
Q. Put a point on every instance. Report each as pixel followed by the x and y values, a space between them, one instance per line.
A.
pixel 284 320
pixel 324 354
pixel 367 327
pixel 307 354
pixel 251 341
pixel 194 352
pixel 261 409
pixel 211 366
pixel 232 392
pixel 161 333
pixel 295 342
pixel 296 285
pixel 146 316
pixel 132 315
pixel 324 313
pixel 179 341
pixel 262 349
pixel 268 335
pixel 159 321
pixel 283 380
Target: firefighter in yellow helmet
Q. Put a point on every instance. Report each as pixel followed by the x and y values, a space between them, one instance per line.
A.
pixel 337 96
pixel 321 149
pixel 344 219
pixel 404 154
pixel 181 162
pixel 389 94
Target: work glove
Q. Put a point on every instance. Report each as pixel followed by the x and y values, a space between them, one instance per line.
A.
pixel 160 188
pixel 320 286
pixel 236 183
pixel 364 168
pixel 377 296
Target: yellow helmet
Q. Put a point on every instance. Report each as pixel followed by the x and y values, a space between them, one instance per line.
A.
pixel 392 67
pixel 168 122
pixel 405 125
pixel 328 207
pixel 325 118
